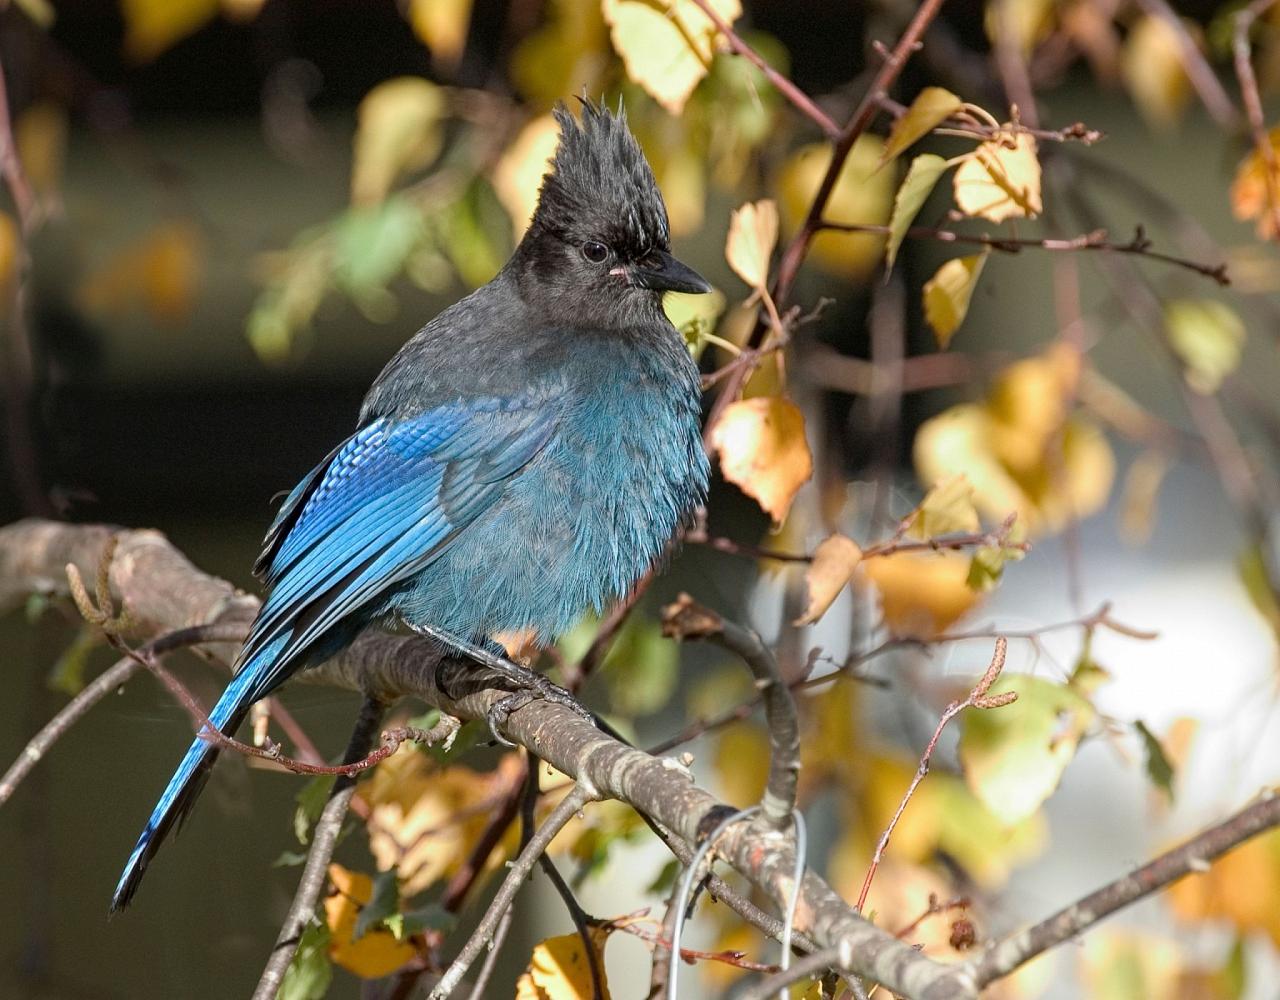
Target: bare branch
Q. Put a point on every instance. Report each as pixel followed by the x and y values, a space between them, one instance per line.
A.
pixel 569 806
pixel 809 967
pixel 1002 957
pixel 977 698
pixel 1139 246
pixel 324 839
pixel 797 97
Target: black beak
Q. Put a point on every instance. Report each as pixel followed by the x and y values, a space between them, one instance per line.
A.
pixel 661 272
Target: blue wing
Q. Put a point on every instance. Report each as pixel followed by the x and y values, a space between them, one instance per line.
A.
pixel 380 508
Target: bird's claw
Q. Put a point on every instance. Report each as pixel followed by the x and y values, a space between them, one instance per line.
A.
pixel 537 688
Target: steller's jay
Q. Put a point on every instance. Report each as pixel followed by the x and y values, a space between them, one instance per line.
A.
pixel 522 459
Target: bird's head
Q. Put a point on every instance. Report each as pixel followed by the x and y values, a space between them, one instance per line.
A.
pixel 599 245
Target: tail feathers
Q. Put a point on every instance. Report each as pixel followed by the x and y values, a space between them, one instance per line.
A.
pixel 188 781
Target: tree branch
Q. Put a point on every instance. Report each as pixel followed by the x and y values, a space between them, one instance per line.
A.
pixel 323 840
pixel 1005 955
pixel 158 590
pixel 569 806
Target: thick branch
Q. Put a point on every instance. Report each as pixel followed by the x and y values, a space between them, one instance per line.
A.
pixel 159 590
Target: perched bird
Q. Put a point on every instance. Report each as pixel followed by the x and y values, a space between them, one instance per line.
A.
pixel 524 458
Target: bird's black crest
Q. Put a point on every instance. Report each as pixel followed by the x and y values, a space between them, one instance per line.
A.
pixel 600 178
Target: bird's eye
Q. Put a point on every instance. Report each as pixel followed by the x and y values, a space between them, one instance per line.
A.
pixel 595 252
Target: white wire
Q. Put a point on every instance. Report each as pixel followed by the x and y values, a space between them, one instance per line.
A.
pixel 681 901
pixel 789 918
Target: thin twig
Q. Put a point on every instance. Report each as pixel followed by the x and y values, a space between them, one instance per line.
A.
pixel 809 967
pixel 569 807
pixel 977 698
pixel 798 98
pixel 324 839
pixel 1139 246
pixel 1075 132
pixel 1205 81
pixel 798 247
pixel 1007 954
pixel 1243 58
pixel 101 686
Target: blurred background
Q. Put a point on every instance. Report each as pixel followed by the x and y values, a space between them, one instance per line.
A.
pixel 236 211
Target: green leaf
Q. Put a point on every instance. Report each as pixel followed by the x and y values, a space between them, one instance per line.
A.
pixel 930 107
pixel 466 239
pixel 665 880
pixel 373 243
pixel 311 800
pixel 641 669
pixel 987 565
pixel 36 605
pixel 694 316
pixel 1159 768
pixel 432 917
pixel 384 902
pixel 1013 757
pixel 67 674
pixel 310 973
pixel 1208 336
pixel 947 295
pixel 289 859
pixel 914 191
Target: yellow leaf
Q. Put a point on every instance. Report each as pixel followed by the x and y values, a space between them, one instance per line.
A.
pixel 945 509
pixel 398 130
pixel 1141 493
pixel 1208 336
pixel 566 55
pixel 425 820
pixel 40 133
pixel 560 968
pixel 1020 23
pixel 519 172
pixel 1250 193
pixel 1240 888
pixel 666 45
pixel 9 245
pixel 742 763
pixel 694 316
pixel 763 451
pixel 1001 180
pixel 159 273
pixel 947 295
pixel 1022 450
pixel 1123 965
pixel 1014 756
pixel 753 233
pixel 1152 63
pixel 921 593
pixel 921 177
pixel 681 172
pixel 442 26
pixel 834 562
pixel 863 195
pixel 985 846
pixel 151 26
pixel 927 111
pixel 376 953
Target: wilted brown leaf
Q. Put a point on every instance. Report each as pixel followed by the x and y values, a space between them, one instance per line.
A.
pixel 1250 192
pixel 763 451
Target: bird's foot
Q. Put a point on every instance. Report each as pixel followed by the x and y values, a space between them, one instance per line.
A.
pixel 534 687
pixel 530 685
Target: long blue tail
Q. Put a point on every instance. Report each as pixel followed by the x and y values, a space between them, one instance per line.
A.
pixel 185 785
